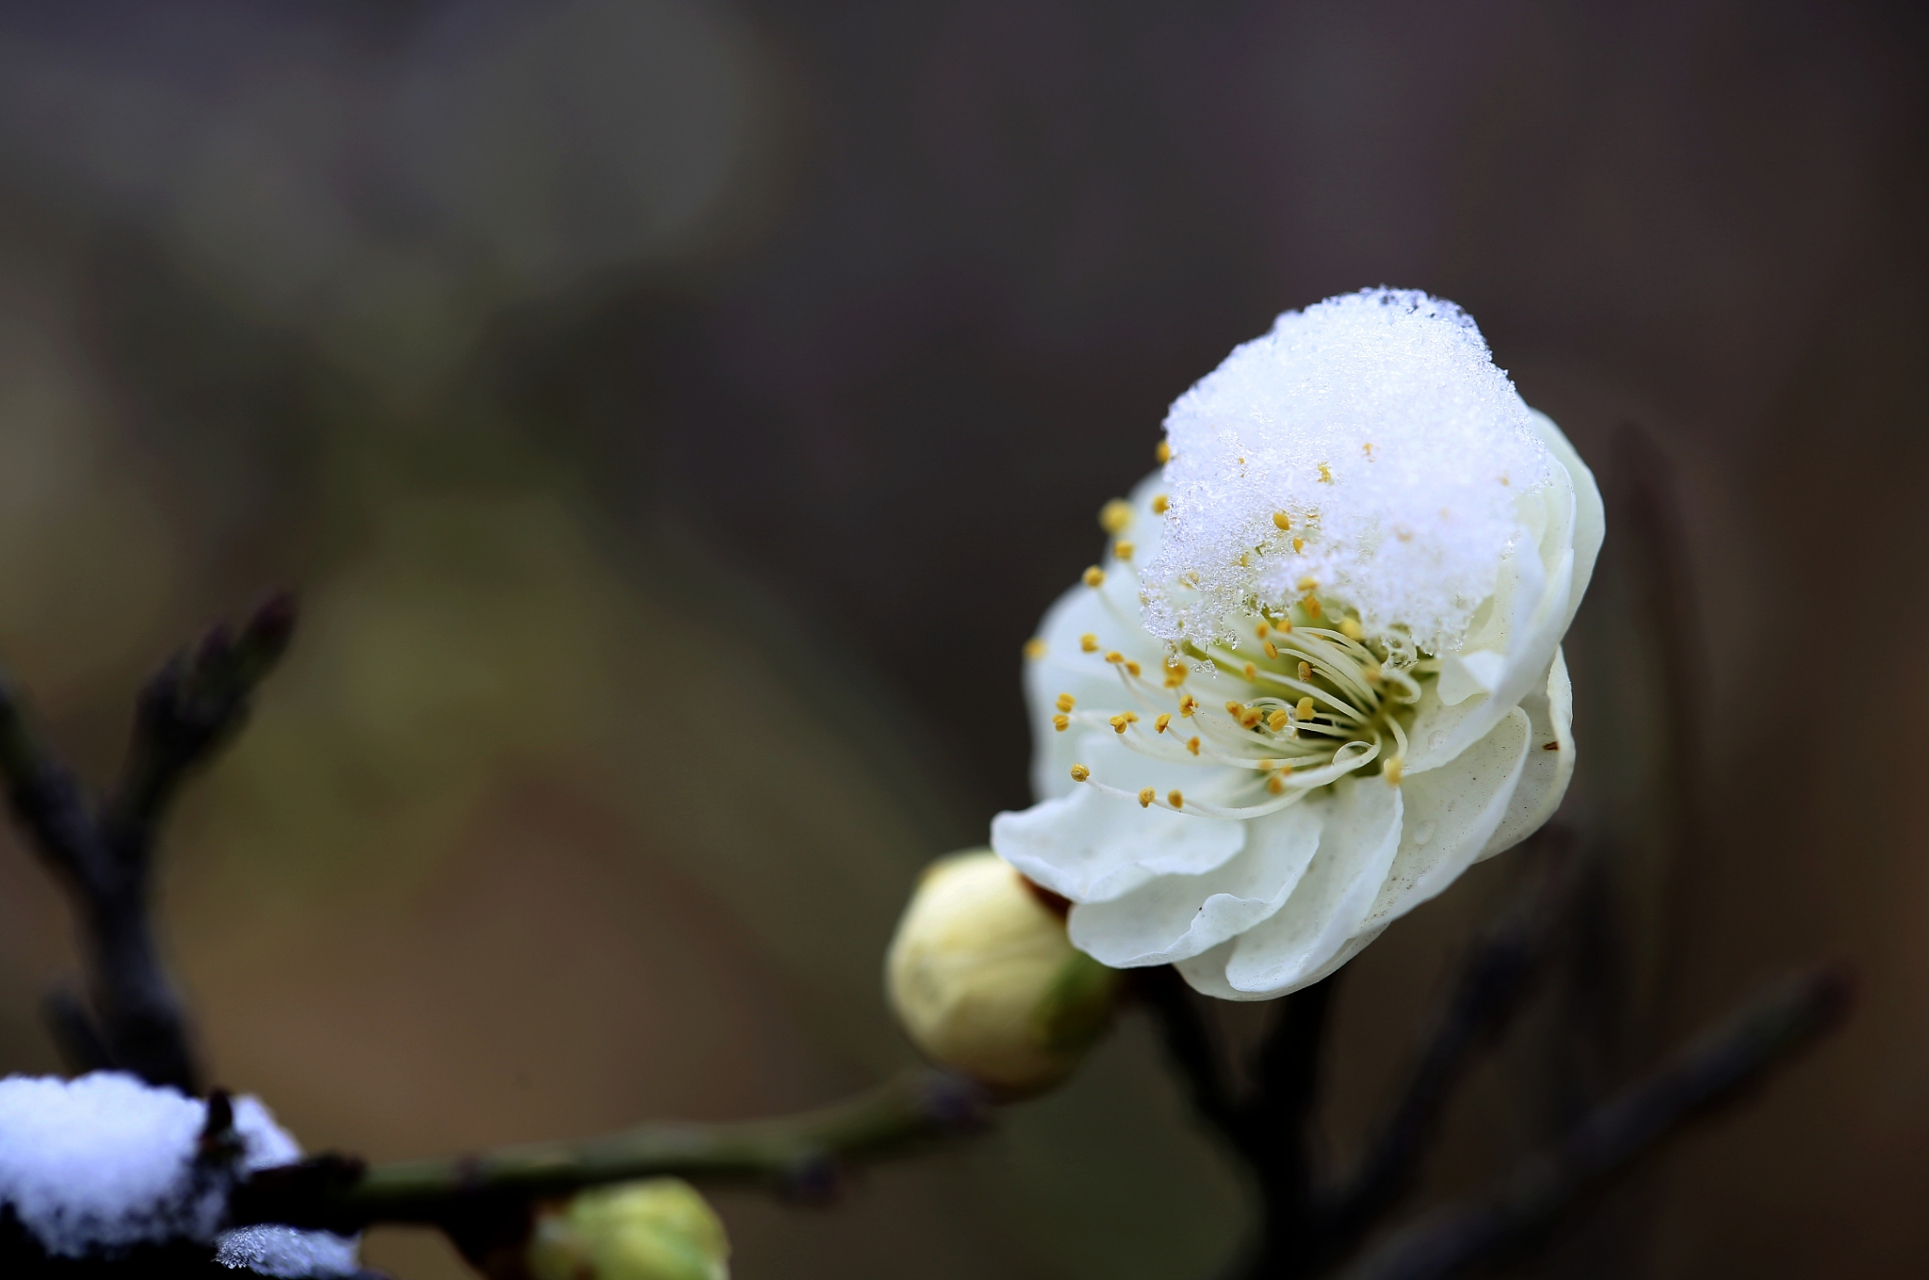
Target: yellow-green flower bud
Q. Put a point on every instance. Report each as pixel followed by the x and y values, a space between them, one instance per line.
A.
pixel 984 981
pixel 659 1229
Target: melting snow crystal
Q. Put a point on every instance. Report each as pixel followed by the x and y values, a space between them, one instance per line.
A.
pixel 1378 426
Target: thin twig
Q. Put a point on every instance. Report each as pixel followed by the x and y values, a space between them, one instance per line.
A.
pixel 800 1155
pixel 1496 978
pixel 1188 1042
pixel 1548 1187
pixel 103 854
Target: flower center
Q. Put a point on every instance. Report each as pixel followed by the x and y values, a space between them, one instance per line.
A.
pixel 1312 700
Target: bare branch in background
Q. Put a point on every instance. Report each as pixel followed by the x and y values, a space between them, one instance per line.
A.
pixel 103 853
pixel 1541 1194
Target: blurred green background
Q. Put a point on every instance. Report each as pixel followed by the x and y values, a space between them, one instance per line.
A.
pixel 675 415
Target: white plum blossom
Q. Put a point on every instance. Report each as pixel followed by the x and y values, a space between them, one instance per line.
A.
pixel 1318 674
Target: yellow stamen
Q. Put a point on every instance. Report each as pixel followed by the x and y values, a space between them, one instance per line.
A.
pixel 1119 723
pixel 1283 625
pixel 1312 606
pixel 1095 577
pixel 1146 796
pixel 1061 722
pixel 1261 629
pixel 1371 673
pixel 1192 745
pixel 1035 648
pixel 1165 718
pixel 1351 628
pixel 1367 448
pixel 1064 702
pixel 1131 666
pixel 1234 708
pixel 1088 642
pixel 1159 504
pixel 1123 551
pixel 1251 717
pixel 1163 453
pixel 1175 673
pixel 1276 783
pixel 1272 650
pixel 1188 704
pixel 1395 769
pixel 1250 670
pixel 1175 798
pixel 1325 474
pixel 1304 709
pixel 1115 516
pixel 1306 671
pixel 1282 521
pixel 1309 583
pixel 1299 544
pixel 1080 773
pixel 1278 720
pixel 1114 657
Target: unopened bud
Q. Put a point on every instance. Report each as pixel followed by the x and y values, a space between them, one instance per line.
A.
pixel 985 982
pixel 659 1229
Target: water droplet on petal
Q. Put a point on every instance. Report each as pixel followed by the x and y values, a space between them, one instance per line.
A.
pixel 1437 739
pixel 1423 833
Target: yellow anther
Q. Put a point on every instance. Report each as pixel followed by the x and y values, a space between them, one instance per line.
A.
pixel 1250 670
pixel 1188 704
pixel 1304 709
pixel 1367 449
pixel 1088 642
pixel 1175 798
pixel 1309 583
pixel 1095 577
pixel 1061 722
pixel 1080 773
pixel 1146 796
pixel 1261 629
pixel 1306 671
pixel 1251 717
pixel 1311 605
pixel 1272 650
pixel 1132 717
pixel 1278 720
pixel 1115 516
pixel 1283 625
pixel 1372 673
pixel 1351 628
pixel 1114 656
pixel 1165 718
pixel 1277 783
pixel 1163 453
pixel 1299 544
pixel 1234 708
pixel 1395 769
pixel 1035 648
pixel 1131 666
pixel 1325 474
pixel 1159 503
pixel 1123 550
pixel 1064 702
pixel 1281 520
pixel 1123 719
pixel 1175 673
pixel 1192 745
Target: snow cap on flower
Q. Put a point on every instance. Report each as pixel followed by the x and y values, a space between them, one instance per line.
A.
pixel 1367 446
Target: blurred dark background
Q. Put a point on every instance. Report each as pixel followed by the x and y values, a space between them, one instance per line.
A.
pixel 676 415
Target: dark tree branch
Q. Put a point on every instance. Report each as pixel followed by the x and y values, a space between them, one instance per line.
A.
pixel 1495 980
pixel 103 854
pixel 1542 1193
pixel 803 1155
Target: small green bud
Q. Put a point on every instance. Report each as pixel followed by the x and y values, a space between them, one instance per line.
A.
pixel 985 982
pixel 659 1229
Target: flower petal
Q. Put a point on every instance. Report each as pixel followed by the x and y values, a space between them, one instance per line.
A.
pixel 1550 761
pixel 1176 917
pixel 1451 814
pixel 1359 836
pixel 1092 847
pixel 1590 514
